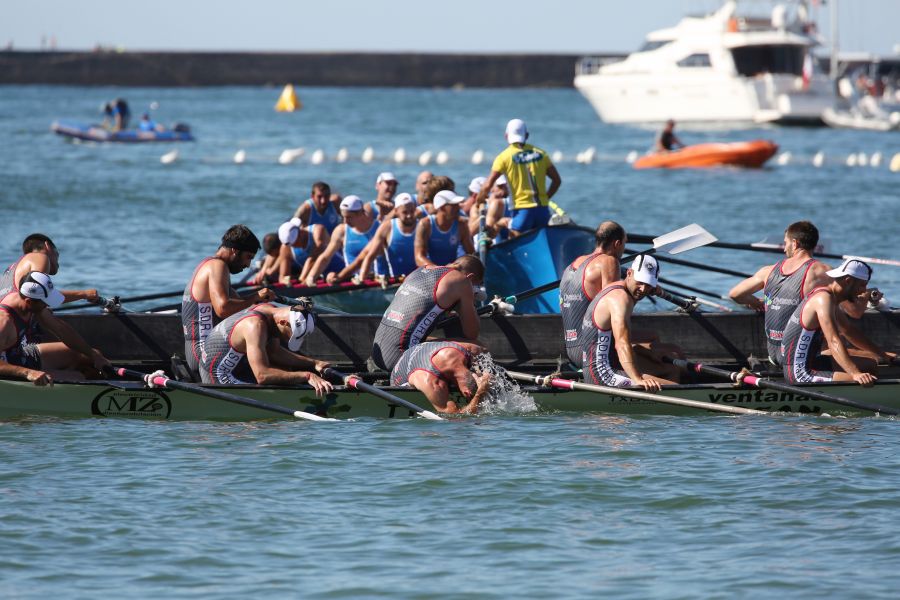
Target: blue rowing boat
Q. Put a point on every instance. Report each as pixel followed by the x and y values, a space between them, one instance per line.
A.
pixel 98 133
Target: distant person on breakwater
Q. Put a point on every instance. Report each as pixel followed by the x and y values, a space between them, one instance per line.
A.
pixel 527 168
pixel 117 114
pixel 666 141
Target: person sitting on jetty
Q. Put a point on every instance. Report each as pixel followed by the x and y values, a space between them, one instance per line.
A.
pixel 784 284
pixel 383 204
pixel 32 304
pixel 607 324
pixel 395 240
pixel 40 254
pixel 208 296
pixel 527 168
pixel 443 236
pixel 435 368
pixel 425 294
pixel 350 238
pixel 817 319
pixel 248 347
pixel 667 141
pixel 321 208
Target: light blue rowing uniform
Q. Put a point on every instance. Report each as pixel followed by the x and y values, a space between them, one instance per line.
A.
pixel 331 218
pixel 443 246
pixel 354 242
pixel 401 251
pixel 301 254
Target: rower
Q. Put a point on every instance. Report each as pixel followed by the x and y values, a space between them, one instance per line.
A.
pixel 422 181
pixel 383 204
pixel 395 240
pixel 440 236
pixel 784 284
pixel 350 237
pixel 321 208
pixel 470 201
pixel 435 368
pixel 31 304
pixel 499 214
pixel 818 319
pixel 424 295
pixel 247 348
pixel 40 254
pixel 607 322
pixel 268 271
pixel 527 168
pixel 299 247
pixel 208 296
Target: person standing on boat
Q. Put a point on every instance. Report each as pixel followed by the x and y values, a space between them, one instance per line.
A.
pixel 667 141
pixel 784 284
pixel 527 168
pixel 349 239
pixel 435 368
pixel 247 347
pixel 40 254
pixel 607 324
pixel 818 320
pixel 118 114
pixel 30 305
pixel 424 295
pixel 383 204
pixel 443 236
pixel 395 240
pixel 208 296
pixel 320 208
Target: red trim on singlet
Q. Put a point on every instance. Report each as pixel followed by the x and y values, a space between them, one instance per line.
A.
pixel 809 265
pixel 587 263
pixel 814 291
pixel 610 288
pixel 249 315
pixel 13 314
pixel 196 271
pixel 15 267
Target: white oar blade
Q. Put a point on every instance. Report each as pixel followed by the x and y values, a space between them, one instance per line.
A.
pixel 684 239
pixel 311 417
pixel 427 414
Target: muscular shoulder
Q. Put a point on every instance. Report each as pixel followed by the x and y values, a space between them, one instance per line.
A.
pixel 33 261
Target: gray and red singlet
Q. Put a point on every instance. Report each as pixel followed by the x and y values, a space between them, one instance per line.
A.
pixel 573 302
pixel 197 321
pixel 221 362
pixel 782 293
pixel 7 283
pixel 21 352
pixel 596 344
pixel 420 358
pixel 801 349
pixel 410 317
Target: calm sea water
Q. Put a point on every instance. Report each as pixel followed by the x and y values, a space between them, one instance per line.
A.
pixel 495 506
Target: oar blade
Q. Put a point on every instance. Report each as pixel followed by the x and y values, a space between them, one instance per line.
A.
pixel 684 239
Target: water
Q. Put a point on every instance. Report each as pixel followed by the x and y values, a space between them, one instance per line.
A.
pixel 494 506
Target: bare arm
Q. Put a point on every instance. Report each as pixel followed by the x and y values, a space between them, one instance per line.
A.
pixel 302 213
pixel 856 337
pixel 487 186
pixel 743 293
pixel 8 371
pixel 465 237
pixel 68 336
pixel 621 327
pixel 337 241
pixel 435 390
pixel 555 181
pixel 494 220
pixel 823 305
pixel 423 234
pixel 255 339
pixel 468 316
pixel 376 246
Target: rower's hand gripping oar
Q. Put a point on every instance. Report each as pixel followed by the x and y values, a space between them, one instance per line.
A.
pixel 357 383
pixel 159 379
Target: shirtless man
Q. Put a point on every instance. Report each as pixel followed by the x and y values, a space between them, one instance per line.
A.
pixel 435 368
pixel 607 322
pixel 208 296
pixel 439 237
pixel 321 208
pixel 817 319
pixel 784 284
pixel 395 240
pixel 424 295
pixel 40 254
pixel 70 358
pixel 247 348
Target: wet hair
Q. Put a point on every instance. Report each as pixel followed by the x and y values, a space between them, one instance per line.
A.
pixel 271 244
pixel 609 232
pixel 323 187
pixel 240 238
pixel 470 264
pixel 435 185
pixel 35 243
pixel 804 233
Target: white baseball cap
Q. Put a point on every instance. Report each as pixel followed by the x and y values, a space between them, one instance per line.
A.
pixel 476 184
pixel 351 203
pixel 516 131
pixel 38 286
pixel 852 267
pixel 302 324
pixel 446 197
pixel 646 269
pixel 289 230
pixel 502 180
pixel 385 176
pixel 403 199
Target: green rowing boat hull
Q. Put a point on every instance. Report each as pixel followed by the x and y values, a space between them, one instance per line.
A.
pixel 132 400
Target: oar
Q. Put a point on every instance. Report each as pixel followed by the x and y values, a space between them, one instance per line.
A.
pixel 781 387
pixel 307 303
pixel 165 382
pixel 111 305
pixel 696 265
pixel 357 383
pixel 568 384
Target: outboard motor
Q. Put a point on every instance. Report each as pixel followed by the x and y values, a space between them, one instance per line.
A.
pixel 182 128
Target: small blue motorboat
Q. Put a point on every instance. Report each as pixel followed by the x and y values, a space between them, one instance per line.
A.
pixel 97 133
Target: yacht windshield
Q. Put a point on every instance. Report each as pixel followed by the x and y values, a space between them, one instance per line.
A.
pixel 754 60
pixel 653 45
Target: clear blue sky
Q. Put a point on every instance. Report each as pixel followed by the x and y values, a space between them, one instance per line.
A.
pixel 399 25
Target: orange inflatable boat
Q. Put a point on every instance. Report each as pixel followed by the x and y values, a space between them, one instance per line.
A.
pixel 737 154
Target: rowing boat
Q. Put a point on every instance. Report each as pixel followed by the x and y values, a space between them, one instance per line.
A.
pixel 752 154
pixel 133 400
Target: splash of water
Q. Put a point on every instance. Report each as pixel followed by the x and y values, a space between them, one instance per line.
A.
pixel 504 395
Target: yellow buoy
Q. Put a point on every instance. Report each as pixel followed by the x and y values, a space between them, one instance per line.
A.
pixel 288 102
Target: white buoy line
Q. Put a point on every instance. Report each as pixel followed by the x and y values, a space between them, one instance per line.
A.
pixel 587 156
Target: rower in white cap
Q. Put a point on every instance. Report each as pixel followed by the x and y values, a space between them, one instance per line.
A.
pixel 71 358
pixel 39 253
pixel 607 323
pixel 350 238
pixel 818 321
pixel 383 204
pixel 443 236
pixel 395 240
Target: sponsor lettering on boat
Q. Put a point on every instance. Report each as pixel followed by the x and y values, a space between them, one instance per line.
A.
pixel 132 403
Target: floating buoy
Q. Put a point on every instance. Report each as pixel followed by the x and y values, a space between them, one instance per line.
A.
pixel 442 158
pixel 861 159
pixel 240 157
pixel 169 157
pixel 290 155
pixel 318 157
pixel 368 154
pixel 477 157
pixel 632 156
pixel 556 157
pixel 784 158
pixel 875 161
pixel 399 155
pixel 895 163
pixel 425 158
pixel 288 101
pixel 851 160
pixel 342 155
pixel 587 156
pixel 819 159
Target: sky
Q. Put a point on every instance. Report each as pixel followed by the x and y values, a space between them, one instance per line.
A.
pixel 464 26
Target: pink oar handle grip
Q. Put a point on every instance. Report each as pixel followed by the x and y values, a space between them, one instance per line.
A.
pixel 562 383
